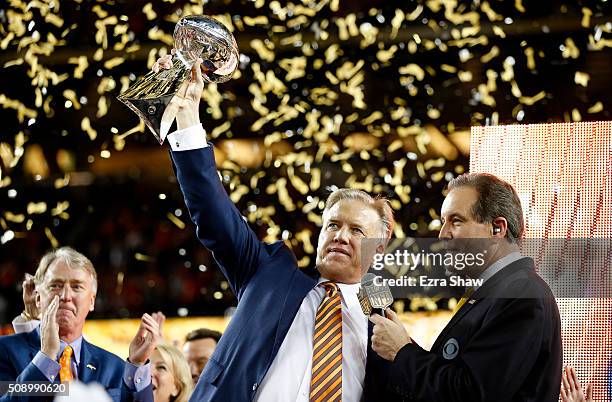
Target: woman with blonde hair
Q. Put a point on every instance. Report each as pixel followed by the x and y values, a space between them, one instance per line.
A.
pixel 170 375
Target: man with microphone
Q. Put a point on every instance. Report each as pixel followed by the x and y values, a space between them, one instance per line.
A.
pixel 504 341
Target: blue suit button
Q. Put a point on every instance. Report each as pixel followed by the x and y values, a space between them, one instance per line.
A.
pixel 255 386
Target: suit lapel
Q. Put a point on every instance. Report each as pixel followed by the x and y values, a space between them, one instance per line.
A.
pixel 454 320
pixel 89 364
pixel 299 288
pixel 33 343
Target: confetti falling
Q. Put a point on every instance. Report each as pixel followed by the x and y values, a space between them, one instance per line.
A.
pixel 375 96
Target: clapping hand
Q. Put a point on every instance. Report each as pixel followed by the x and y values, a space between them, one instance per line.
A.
pixel 30 310
pixel 145 341
pixel 160 318
pixel 49 330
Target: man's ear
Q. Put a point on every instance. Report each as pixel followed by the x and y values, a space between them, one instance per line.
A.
pixel 38 302
pixel 382 245
pixel 92 304
pixel 500 227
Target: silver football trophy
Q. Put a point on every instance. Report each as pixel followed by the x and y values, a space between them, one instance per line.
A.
pixel 372 297
pixel 194 36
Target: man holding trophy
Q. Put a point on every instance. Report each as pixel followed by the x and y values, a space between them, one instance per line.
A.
pixel 294 336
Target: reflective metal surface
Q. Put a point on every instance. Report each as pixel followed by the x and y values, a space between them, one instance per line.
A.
pixel 194 36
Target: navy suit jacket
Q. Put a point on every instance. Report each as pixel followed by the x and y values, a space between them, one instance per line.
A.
pixel 504 345
pixel 264 277
pixel 17 352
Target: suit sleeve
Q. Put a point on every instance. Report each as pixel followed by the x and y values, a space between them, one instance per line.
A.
pixel 7 373
pixel 489 368
pixel 144 395
pixel 219 225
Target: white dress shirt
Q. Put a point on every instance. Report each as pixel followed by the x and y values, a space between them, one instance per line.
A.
pixel 288 378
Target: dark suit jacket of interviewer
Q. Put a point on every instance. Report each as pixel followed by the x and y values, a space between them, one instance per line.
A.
pixel 504 344
pixel 264 277
pixel 96 365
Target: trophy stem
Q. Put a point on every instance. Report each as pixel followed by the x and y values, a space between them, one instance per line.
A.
pixel 150 96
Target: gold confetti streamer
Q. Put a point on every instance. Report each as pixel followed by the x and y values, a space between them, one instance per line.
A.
pixel 51 237
pixel 586 17
pixel 175 220
pixel 596 108
pixel 102 107
pixel 526 100
pixel 16 218
pixel 498 31
pixel 86 126
pixel 396 22
pixel 386 55
pixel 61 182
pixel 295 67
pixel 265 50
pixel 570 50
pixel 36 207
pixel 581 78
pixel 143 257
pixel 114 62
pixel 60 210
pixel 71 96
pixel 252 21
pixel 491 14
pixel 148 11
pixel 413 69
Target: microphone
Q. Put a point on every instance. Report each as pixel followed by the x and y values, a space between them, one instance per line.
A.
pixel 372 296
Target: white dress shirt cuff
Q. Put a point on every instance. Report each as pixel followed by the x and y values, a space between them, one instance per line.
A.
pixel 193 137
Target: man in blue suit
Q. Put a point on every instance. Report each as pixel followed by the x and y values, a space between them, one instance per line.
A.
pixel 266 353
pixel 56 351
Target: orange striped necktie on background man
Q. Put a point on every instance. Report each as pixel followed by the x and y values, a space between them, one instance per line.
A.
pixel 65 372
pixel 326 380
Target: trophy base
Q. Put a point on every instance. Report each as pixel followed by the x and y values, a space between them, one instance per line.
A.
pixel 150 96
pixel 151 111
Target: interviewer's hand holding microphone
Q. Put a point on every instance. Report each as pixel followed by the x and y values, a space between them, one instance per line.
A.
pixel 388 335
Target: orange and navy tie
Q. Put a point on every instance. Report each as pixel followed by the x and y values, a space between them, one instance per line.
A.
pixel 326 380
pixel 65 372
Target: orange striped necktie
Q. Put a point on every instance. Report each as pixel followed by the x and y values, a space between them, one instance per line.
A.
pixel 65 372
pixel 326 380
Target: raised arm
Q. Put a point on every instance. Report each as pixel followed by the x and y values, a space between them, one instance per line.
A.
pixel 220 227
